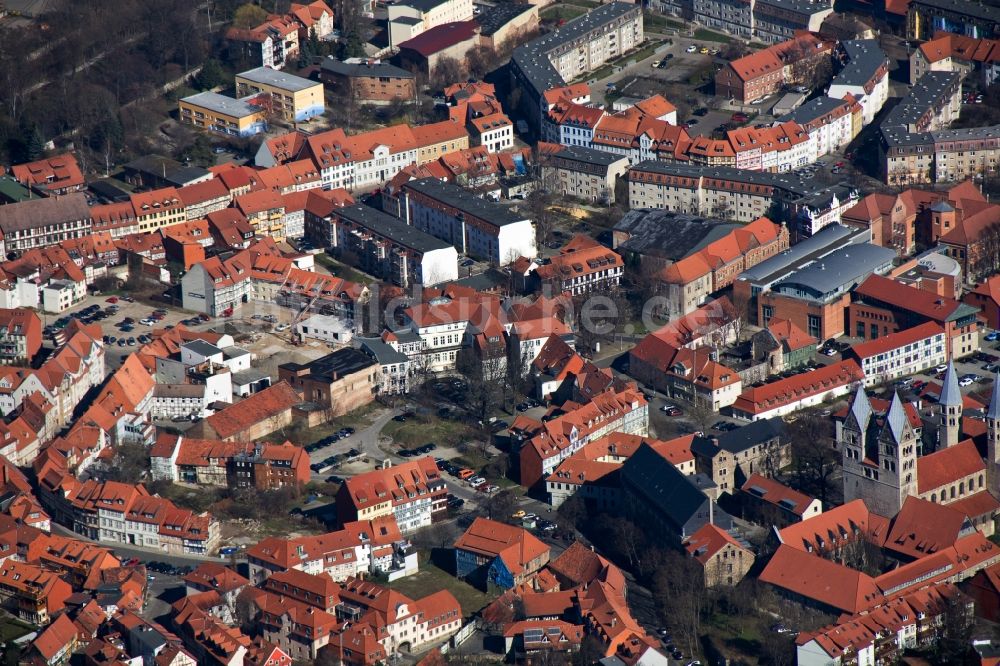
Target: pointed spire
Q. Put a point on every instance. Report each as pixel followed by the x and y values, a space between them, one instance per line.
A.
pixel 895 418
pixel 861 408
pixel 993 411
pixel 951 396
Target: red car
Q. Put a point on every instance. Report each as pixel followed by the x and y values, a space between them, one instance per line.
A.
pixel 739 117
pixel 113 299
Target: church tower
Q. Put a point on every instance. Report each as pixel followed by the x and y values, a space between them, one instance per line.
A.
pixel 879 455
pixel 993 438
pixel 950 424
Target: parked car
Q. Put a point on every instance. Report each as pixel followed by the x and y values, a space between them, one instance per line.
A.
pixel 992 336
pixel 691 49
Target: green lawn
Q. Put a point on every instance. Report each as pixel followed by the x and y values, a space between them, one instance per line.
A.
pixel 341 270
pixel 430 579
pixel 710 36
pixel 656 22
pixel 564 12
pixel 415 432
pixel 12 628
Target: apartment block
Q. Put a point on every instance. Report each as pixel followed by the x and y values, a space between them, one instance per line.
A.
pixel 584 173
pixel 413 492
pixel 390 248
pixel 209 110
pixel 44 221
pixel 474 226
pixel 948 52
pixel 374 82
pixel 580 46
pixel 291 98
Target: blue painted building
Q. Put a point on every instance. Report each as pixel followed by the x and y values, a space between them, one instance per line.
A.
pixel 497 555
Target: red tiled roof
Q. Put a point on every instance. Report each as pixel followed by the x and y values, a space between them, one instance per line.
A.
pixel 944 467
pixel 896 340
pixel 785 391
pixel 258 407
pixel 922 527
pixel 441 37
pixel 920 301
pixel 788 333
pixel 846 522
pixel 709 540
pixel 51 173
pixel 820 579
pixel 777 493
pixel 516 546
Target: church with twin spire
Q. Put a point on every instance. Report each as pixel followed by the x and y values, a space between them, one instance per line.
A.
pixel 883 464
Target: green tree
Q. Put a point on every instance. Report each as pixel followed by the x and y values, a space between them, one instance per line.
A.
pixel 249 16
pixel 199 153
pixel 34 144
pixel 211 75
pixel 350 46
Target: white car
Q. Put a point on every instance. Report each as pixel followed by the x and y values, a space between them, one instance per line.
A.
pixel 476 481
pixel 281 327
pixel 147 322
pixel 692 49
pixel 941 368
pixel 965 381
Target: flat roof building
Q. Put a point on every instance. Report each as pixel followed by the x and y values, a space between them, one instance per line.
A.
pixel 293 98
pixel 218 113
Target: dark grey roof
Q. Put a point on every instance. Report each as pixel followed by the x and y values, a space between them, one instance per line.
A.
pixel 861 407
pixel 897 136
pixel 341 362
pixel 109 190
pixel 823 200
pixel 751 435
pixel 364 69
pixel 244 377
pixel 395 230
pixel 670 235
pixel 494 18
pixel 828 239
pixel 951 394
pixel 895 419
pixel 532 58
pixel 993 411
pixel 238 108
pixel 979 10
pixel 485 281
pixel 811 110
pixel 864 57
pixel 201 347
pixel 806 7
pixel 44 211
pixel 277 78
pixel 601 158
pixel 234 352
pixel 705 447
pixel 669 493
pixel 406 336
pixel 422 5
pixel 465 201
pixel 153 164
pixel 837 271
pixel 380 351
pixel 932 91
pixel 187 175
